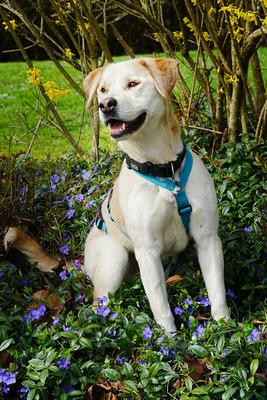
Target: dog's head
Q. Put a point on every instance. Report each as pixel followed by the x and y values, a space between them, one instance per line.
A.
pixel 130 93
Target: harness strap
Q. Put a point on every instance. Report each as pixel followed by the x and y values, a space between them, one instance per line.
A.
pixel 177 187
pixel 160 170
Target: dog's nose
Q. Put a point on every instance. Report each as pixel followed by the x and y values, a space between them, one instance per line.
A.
pixel 107 105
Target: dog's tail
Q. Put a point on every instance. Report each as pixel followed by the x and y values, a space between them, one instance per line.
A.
pixel 34 252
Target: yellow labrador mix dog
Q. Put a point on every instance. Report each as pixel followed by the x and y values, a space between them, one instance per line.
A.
pixel 141 216
pixel 162 197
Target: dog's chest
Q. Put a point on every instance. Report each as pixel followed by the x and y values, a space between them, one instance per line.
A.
pixel 153 218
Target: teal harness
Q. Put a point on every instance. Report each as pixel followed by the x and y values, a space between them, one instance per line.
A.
pixel 175 186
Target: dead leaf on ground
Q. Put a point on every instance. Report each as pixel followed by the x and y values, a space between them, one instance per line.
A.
pixel 174 279
pixel 105 390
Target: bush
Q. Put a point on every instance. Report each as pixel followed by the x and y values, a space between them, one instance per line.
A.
pixel 52 344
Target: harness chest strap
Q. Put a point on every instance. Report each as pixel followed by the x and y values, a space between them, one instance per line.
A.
pixel 176 187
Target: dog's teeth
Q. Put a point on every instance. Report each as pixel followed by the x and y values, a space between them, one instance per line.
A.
pixel 123 126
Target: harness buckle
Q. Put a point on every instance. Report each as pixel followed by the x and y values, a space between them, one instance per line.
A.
pixel 185 209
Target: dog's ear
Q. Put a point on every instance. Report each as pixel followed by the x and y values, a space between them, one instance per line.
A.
pixel 164 72
pixel 91 84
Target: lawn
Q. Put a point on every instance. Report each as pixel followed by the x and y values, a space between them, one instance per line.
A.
pixel 19 121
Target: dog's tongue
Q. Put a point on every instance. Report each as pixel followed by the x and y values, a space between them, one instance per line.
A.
pixel 117 126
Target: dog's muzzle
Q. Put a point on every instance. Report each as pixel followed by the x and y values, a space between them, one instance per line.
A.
pixel 119 129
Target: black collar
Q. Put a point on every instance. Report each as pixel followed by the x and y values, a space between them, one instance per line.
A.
pixel 161 170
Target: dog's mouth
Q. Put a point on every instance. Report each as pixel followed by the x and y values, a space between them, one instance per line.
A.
pixel 120 129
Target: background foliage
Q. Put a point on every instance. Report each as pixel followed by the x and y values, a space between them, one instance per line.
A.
pixel 227 36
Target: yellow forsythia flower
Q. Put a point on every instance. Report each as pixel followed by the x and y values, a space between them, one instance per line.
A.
pixel 178 35
pixel 34 76
pixel 212 10
pixel 206 36
pixel 188 23
pixel 232 78
pixel 68 53
pixel 54 93
pixel 221 90
pixel 13 24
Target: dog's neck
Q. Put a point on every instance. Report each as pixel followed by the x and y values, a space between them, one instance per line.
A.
pixel 158 145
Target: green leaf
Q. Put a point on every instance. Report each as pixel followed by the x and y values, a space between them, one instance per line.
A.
pixel 131 386
pixel 199 390
pixel 189 384
pixel 184 396
pixel 50 357
pixel 37 364
pixel 85 342
pixel 254 365
pixel 199 351
pixel 228 393
pixel 43 375
pixel 6 344
pixel 31 394
pixel 112 374
pixel 128 370
pixel 154 369
pixel 242 374
pixel 29 384
pixel 221 343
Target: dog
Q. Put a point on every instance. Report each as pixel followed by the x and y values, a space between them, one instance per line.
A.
pixel 141 216
pixel 163 196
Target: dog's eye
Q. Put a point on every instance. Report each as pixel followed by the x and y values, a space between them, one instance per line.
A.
pixel 103 90
pixel 132 84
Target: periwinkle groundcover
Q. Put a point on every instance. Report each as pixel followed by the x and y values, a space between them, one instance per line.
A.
pixel 53 345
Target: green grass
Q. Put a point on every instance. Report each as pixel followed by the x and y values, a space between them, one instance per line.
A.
pixel 18 120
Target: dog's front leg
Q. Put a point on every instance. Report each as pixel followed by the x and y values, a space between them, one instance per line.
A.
pixel 211 262
pixel 152 275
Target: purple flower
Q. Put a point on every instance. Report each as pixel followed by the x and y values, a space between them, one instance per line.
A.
pixel 114 316
pixel 80 298
pixel 11 267
pixel 79 197
pixel 65 249
pixel 204 301
pixel 23 392
pixel 76 264
pixel 95 169
pixel 101 299
pixel 199 331
pixel 67 328
pixel 67 388
pixel 86 175
pixel 187 301
pixel 147 333
pixel 64 275
pixel 230 293
pixel 112 331
pixel 255 335
pixel 121 360
pixel 63 363
pixel 178 310
pixel 56 321
pixel 165 350
pixel 1 273
pixel 70 213
pixel 34 314
pixel 55 178
pixel 7 377
pixel 246 230
pixel 22 282
pixel 102 310
pixel 38 312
